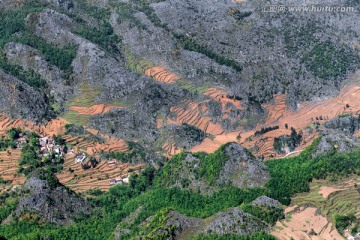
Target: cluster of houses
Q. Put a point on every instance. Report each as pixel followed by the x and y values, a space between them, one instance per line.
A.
pixel 123 179
pixel 48 146
pixel 22 140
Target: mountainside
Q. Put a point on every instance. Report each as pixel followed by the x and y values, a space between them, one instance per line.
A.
pixel 231 165
pixel 179 119
pixel 54 205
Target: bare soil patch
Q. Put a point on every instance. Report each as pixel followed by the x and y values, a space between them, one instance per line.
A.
pixel 308 113
pixel 93 110
pixel 161 74
pixel 300 222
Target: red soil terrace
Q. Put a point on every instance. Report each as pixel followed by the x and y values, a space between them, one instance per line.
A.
pixel 93 110
pixel 278 115
pixel 161 74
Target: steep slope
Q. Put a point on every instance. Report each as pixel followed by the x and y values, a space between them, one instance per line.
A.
pixel 269 51
pixel 173 225
pixel 54 204
pixel 31 59
pixel 217 67
pixel 231 165
pixel 19 100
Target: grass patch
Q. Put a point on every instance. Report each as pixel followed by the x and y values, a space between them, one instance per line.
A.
pixel 137 65
pixel 343 202
pixel 87 96
pixel 76 118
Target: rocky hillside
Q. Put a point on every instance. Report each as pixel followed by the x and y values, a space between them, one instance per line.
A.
pixel 43 199
pixel 340 134
pixel 231 165
pixel 19 100
pixel 162 93
pixel 174 225
pixel 156 66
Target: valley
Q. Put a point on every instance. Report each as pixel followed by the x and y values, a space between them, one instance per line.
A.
pixel 172 119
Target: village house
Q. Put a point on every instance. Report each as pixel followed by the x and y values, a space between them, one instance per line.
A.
pixel 47 146
pixel 58 150
pixel 22 140
pixel 123 179
pixel 43 141
pixel 116 181
pixel 44 152
pixel 50 145
pixel 356 237
pixel 80 158
pixel 112 163
pixel 126 180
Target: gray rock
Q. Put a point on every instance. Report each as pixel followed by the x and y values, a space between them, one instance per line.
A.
pixel 242 169
pixel 19 100
pixel 30 58
pixel 235 221
pixel 262 43
pixel 57 206
pixel 66 4
pixel 230 221
pixel 338 134
pixel 331 140
pixel 266 201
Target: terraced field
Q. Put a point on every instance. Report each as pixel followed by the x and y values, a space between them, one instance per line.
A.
pixel 340 197
pixel 170 149
pixel 301 221
pixel 158 73
pixel 221 95
pixel 80 180
pixel 308 113
pixel 137 65
pixel 9 164
pixel 93 110
pixel 326 199
pixel 76 118
pixel 90 146
pixel 86 96
pixel 82 107
pixel 161 74
pixel 7 123
pixel 193 114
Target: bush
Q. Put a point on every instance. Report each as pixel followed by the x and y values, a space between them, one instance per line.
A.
pixel 344 221
pixel 265 130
